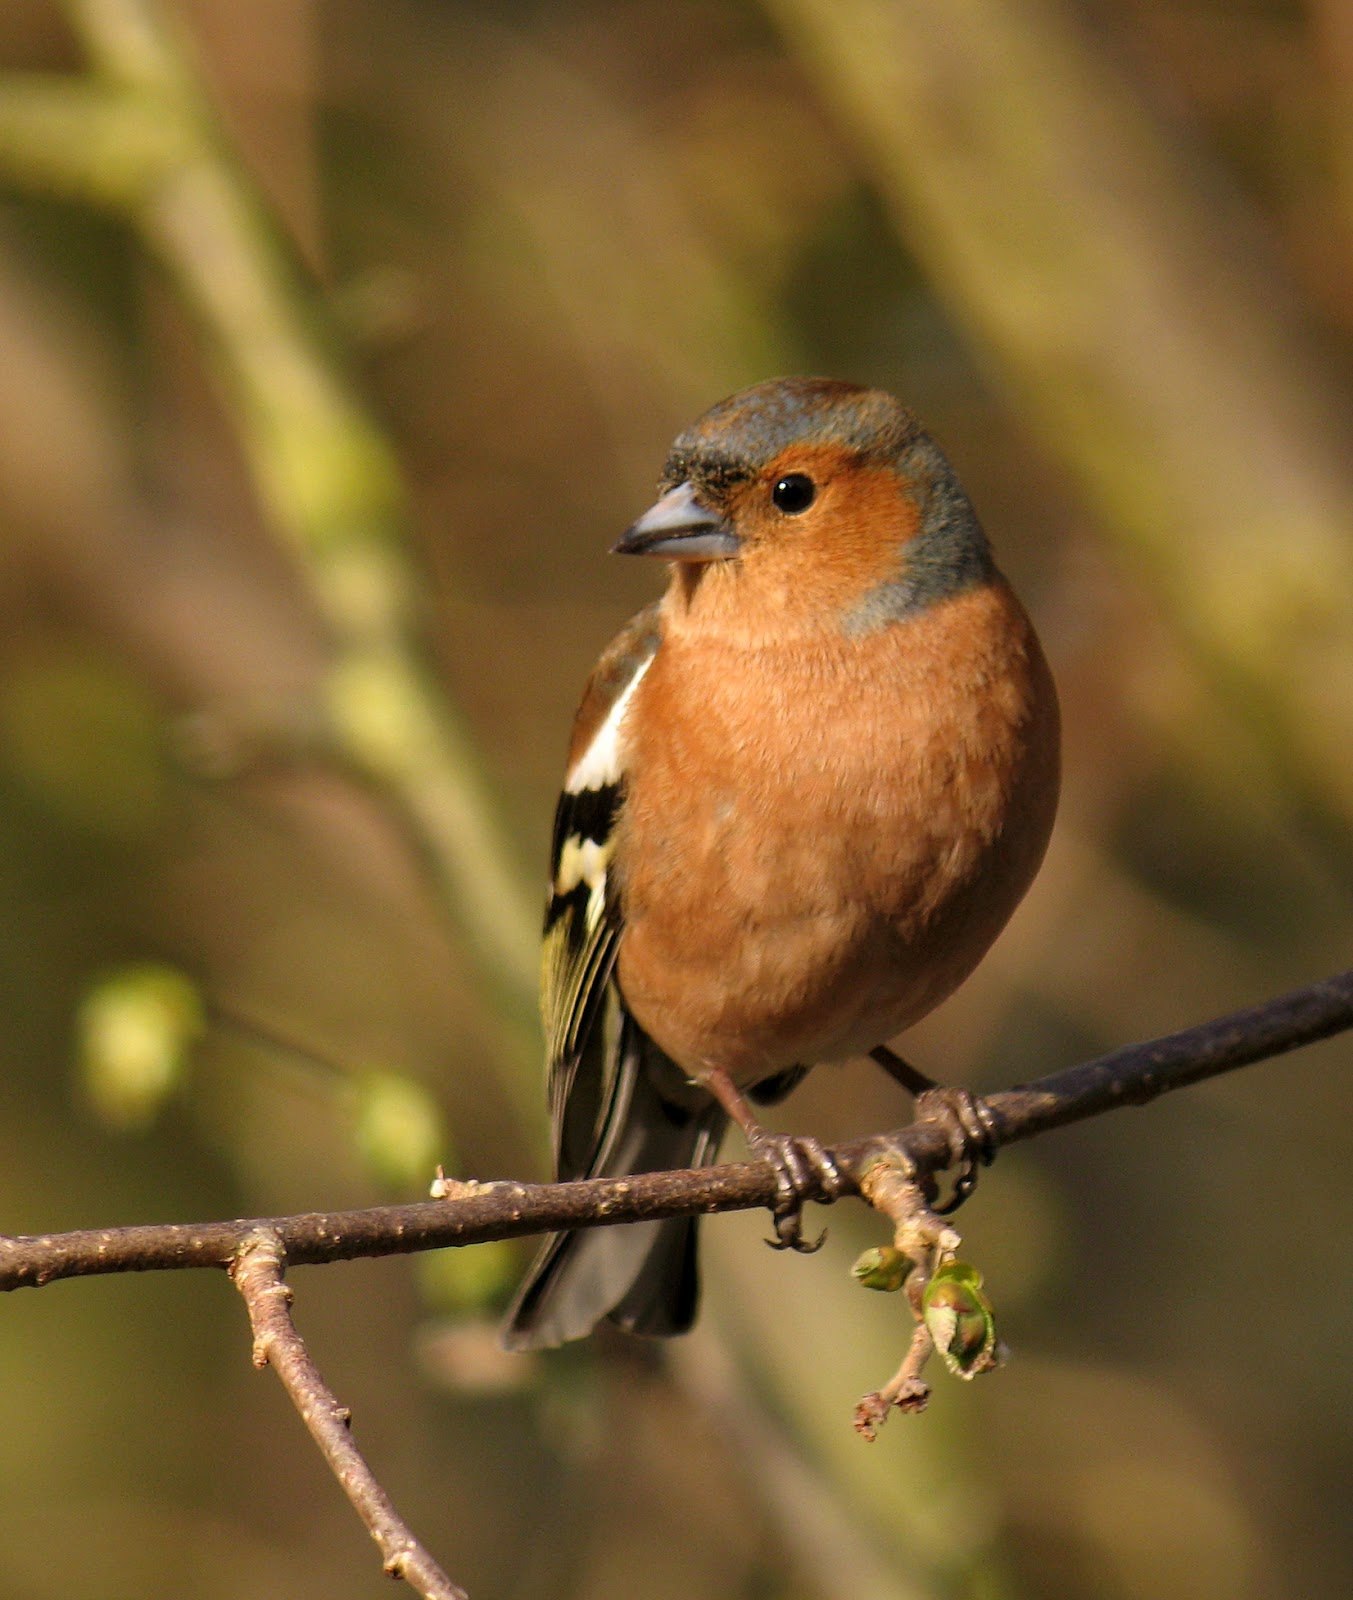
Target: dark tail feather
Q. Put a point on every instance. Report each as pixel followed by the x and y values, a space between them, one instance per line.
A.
pixel 639 1275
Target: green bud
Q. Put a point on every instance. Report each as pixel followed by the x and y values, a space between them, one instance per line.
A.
pixel 399 1129
pixel 961 1321
pixel 137 1028
pixel 882 1267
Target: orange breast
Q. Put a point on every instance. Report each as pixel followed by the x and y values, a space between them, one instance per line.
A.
pixel 818 844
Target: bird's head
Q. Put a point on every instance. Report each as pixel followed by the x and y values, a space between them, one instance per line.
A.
pixel 817 498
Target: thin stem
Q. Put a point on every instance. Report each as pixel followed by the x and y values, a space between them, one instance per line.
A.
pixel 473 1212
pixel 257 1274
pixel 906 1389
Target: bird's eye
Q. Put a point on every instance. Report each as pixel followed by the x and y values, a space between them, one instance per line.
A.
pixel 794 493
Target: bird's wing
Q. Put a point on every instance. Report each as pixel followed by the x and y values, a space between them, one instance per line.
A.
pixel 583 918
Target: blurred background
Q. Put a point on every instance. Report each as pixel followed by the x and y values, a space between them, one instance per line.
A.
pixel 338 340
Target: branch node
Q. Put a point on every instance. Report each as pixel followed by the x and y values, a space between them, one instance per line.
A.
pixel 256 1271
pixel 444 1188
pixel 892 1183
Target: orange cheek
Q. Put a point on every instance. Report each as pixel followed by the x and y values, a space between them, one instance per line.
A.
pixel 848 542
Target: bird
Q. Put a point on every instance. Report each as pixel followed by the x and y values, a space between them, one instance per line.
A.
pixel 805 791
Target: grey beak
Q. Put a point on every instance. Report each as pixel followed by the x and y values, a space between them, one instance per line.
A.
pixel 681 529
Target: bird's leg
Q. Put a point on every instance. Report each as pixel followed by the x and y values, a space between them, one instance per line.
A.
pixel 802 1165
pixel 965 1116
pixel 912 1080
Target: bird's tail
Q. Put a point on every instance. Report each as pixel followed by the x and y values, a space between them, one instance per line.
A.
pixel 640 1275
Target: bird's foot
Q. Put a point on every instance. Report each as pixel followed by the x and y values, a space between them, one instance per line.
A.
pixel 970 1127
pixel 804 1169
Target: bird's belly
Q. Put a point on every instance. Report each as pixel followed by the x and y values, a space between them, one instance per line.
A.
pixel 815 855
pixel 755 956
pixel 774 986
pixel 858 839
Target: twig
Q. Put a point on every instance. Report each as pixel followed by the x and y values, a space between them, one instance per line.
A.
pixel 257 1274
pixel 906 1389
pixel 254 1252
pixel 473 1213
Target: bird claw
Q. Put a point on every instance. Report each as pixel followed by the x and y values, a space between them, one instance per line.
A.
pixel 804 1168
pixel 970 1126
pixel 789 1234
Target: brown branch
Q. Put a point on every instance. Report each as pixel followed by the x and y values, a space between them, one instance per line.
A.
pixel 257 1274
pixel 473 1213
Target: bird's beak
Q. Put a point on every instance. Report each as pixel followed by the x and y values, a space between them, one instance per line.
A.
pixel 681 529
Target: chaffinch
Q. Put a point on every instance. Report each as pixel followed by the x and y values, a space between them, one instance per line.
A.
pixel 805 791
